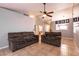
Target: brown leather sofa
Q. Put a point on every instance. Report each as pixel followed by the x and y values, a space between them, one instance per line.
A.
pixel 52 38
pixel 19 40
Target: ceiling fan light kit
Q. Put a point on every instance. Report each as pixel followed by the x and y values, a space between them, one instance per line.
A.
pixel 44 15
pixel 32 16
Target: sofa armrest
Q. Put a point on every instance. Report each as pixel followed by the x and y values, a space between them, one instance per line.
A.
pixel 58 37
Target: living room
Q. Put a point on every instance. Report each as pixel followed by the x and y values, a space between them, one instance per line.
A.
pixel 39 29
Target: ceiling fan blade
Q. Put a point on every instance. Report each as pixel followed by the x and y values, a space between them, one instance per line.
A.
pixel 25 14
pixel 41 12
pixel 49 15
pixel 14 10
pixel 50 12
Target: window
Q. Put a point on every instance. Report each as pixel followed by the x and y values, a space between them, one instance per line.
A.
pixel 62 21
pixel 76 26
pixel 61 26
pixel 47 28
pixel 75 19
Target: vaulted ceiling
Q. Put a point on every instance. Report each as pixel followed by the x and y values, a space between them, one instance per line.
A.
pixel 35 8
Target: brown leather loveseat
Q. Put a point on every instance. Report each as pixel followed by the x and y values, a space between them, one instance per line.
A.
pixel 52 38
pixel 18 40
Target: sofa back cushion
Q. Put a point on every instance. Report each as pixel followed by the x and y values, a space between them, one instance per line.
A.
pixel 20 34
pixel 53 33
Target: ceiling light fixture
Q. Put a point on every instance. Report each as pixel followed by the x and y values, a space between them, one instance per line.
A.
pixel 32 16
pixel 44 15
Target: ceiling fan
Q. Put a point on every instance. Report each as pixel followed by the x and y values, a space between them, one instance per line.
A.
pixel 45 12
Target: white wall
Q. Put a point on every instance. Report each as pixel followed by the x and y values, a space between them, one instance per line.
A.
pixel 13 22
pixel 61 15
pixel 76 11
pixel 76 34
pixel 64 14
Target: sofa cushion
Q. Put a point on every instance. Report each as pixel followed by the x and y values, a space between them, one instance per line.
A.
pixel 50 38
pixel 29 38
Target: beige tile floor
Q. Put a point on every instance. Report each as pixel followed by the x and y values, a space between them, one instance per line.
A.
pixel 67 49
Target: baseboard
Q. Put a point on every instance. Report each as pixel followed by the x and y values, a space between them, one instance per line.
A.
pixel 3 47
pixel 67 38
